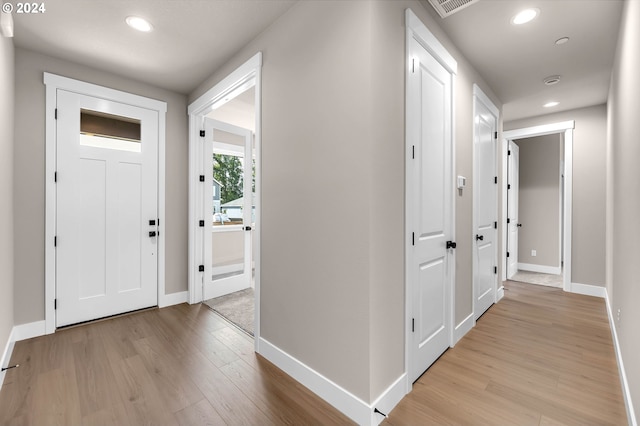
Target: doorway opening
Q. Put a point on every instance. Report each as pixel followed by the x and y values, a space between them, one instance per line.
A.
pixel 537 226
pixel 224 199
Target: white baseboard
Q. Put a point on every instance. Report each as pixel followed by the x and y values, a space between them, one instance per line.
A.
pixel 588 290
pixel 500 293
pixel 29 330
pixel 341 399
pixel 543 269
pixel 631 415
pixel 463 328
pixel 6 355
pixel 389 399
pixel 173 299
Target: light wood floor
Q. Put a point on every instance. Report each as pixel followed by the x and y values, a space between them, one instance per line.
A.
pixel 181 365
pixel 539 357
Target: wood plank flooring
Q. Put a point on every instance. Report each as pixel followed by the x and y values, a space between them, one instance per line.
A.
pixel 181 365
pixel 539 357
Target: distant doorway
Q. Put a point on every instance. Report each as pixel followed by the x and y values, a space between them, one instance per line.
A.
pixel 510 225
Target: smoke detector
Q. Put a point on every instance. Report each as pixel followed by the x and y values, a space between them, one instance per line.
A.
pixel 551 80
pixel 449 7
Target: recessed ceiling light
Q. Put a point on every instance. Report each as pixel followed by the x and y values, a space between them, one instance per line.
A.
pixel 525 16
pixel 139 24
pixel 551 104
pixel 551 80
pixel 562 40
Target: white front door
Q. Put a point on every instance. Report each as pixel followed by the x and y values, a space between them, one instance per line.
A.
pixel 229 220
pixel 485 208
pixel 429 215
pixel 107 209
pixel 513 186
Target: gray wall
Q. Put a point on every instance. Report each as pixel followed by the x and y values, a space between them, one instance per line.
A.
pixel 6 190
pixel 589 189
pixel 29 180
pixel 623 201
pixel 333 124
pixel 539 200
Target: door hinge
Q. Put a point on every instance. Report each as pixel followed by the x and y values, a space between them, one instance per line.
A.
pixel 55 114
pixel 55 304
pixel 495 269
pixel 508 220
pixel 55 176
pixel 202 133
pixel 413 238
pixel 55 241
pixel 507 254
pixel 201 268
pixel 495 135
pixel 413 65
pixel 508 186
pixel 495 179
pixel 201 178
pixel 509 152
pixel 201 223
pixel 413 153
pixel 413 325
pixel 495 225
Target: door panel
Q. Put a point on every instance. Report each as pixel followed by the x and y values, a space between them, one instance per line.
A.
pixel 485 208
pixel 106 262
pixel 512 206
pixel 430 187
pixel 229 229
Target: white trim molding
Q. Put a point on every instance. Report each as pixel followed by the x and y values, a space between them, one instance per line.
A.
pixel 53 83
pixel 463 328
pixel 6 354
pixel 340 398
pixel 566 128
pixel 588 290
pixel 626 392
pixel 247 74
pixel 543 269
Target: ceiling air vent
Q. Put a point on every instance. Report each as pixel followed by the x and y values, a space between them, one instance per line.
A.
pixel 449 7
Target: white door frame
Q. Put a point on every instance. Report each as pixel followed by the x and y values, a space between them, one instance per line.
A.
pixel 54 82
pixel 418 31
pixel 565 127
pixel 481 97
pixel 248 73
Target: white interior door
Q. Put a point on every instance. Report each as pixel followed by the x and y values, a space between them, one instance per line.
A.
pixel 229 224
pixel 429 188
pixel 107 208
pixel 485 208
pixel 513 187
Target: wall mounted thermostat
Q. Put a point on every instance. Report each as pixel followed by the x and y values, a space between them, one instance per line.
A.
pixel 462 182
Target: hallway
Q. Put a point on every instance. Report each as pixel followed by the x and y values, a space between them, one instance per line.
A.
pixel 540 356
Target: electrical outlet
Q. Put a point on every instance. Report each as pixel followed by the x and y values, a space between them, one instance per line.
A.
pixel 533 253
pixel 618 314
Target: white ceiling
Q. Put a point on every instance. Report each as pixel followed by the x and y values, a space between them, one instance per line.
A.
pixel 514 60
pixel 193 38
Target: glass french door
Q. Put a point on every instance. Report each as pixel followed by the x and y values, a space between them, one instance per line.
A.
pixel 229 209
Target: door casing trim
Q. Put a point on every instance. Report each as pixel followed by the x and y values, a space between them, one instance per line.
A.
pixel 52 83
pixel 198 109
pixel 480 97
pixel 566 128
pixel 416 30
